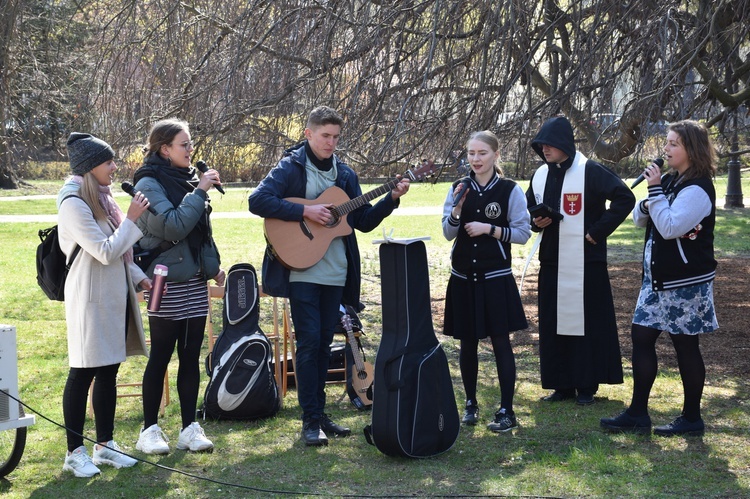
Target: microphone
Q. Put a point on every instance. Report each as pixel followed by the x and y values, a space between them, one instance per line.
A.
pixel 203 167
pixel 128 187
pixel 658 161
pixel 465 183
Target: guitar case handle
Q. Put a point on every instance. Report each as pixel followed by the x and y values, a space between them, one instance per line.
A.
pixel 368 434
pixel 394 384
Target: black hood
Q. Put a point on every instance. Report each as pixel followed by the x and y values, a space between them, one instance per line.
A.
pixel 556 132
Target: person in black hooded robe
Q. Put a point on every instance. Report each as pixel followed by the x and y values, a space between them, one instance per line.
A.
pixel 578 343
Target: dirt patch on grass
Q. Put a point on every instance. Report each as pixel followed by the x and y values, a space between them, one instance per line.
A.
pixel 726 352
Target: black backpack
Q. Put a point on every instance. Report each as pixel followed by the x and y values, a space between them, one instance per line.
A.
pixel 242 384
pixel 52 266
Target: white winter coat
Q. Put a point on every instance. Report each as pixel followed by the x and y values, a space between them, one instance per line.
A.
pixel 98 286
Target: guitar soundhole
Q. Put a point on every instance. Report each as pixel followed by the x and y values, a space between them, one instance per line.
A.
pixel 362 375
pixel 336 218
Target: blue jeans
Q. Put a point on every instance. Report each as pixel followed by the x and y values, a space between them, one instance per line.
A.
pixel 315 312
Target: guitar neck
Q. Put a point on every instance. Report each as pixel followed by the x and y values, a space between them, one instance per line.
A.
pixel 358 362
pixel 427 168
pixel 355 203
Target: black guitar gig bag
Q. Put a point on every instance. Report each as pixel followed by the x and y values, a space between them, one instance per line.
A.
pixel 242 384
pixel 414 412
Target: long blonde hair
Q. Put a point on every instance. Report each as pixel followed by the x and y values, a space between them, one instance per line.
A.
pixel 89 192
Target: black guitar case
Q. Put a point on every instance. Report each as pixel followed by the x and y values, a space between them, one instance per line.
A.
pixel 414 411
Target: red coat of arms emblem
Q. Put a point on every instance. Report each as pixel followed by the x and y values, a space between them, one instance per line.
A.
pixel 572 203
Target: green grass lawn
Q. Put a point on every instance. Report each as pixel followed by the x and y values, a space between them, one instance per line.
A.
pixel 559 450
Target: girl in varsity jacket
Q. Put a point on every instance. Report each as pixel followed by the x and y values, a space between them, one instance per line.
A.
pixel 482 298
pixel 678 272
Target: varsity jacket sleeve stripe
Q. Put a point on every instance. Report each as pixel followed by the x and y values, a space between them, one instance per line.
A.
pixel 685 212
pixel 450 224
pixel 518 217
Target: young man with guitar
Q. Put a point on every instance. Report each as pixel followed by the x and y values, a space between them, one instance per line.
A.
pixel 295 194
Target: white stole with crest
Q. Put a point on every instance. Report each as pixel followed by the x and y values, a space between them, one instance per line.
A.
pixel 570 260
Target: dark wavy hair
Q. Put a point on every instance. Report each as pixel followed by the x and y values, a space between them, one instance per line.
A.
pixel 697 144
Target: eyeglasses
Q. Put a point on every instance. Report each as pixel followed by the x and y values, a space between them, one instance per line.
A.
pixel 186 145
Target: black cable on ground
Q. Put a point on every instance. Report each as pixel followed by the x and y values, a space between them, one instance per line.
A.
pixel 247 487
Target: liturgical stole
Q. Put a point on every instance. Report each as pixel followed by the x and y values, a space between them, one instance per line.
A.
pixel 570 268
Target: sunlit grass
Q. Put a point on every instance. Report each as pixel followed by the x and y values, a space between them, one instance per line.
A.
pixel 558 451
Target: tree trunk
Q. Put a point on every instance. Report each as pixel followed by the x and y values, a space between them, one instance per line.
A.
pixel 8 178
pixel 9 9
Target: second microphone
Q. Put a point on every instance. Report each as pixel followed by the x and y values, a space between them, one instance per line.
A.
pixel 203 167
pixel 465 183
pixel 128 187
pixel 658 162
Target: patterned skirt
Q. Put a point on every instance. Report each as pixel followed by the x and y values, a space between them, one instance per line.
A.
pixel 688 310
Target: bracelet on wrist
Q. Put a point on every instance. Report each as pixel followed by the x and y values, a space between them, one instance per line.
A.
pixel 492 230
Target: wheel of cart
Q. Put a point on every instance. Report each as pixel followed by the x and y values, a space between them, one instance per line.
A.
pixel 13 439
pixel 13 420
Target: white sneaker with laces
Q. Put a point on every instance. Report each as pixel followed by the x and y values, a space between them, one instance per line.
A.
pixel 112 455
pixel 194 439
pixel 153 441
pixel 79 463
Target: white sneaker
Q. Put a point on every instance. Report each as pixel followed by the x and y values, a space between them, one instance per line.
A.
pixel 112 455
pixel 153 441
pixel 194 439
pixel 79 463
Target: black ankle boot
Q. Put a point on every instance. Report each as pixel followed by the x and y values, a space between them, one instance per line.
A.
pixel 312 435
pixel 329 427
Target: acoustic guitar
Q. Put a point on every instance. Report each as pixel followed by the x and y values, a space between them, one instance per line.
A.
pixel 301 244
pixel 362 373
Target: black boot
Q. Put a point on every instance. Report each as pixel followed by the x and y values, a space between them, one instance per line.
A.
pixel 329 427
pixel 312 435
pixel 625 423
pixel 560 394
pixel 471 413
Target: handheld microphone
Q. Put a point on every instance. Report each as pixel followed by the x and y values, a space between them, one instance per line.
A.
pixel 465 182
pixel 203 167
pixel 658 161
pixel 128 187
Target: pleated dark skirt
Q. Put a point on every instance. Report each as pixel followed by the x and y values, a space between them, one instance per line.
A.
pixel 480 309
